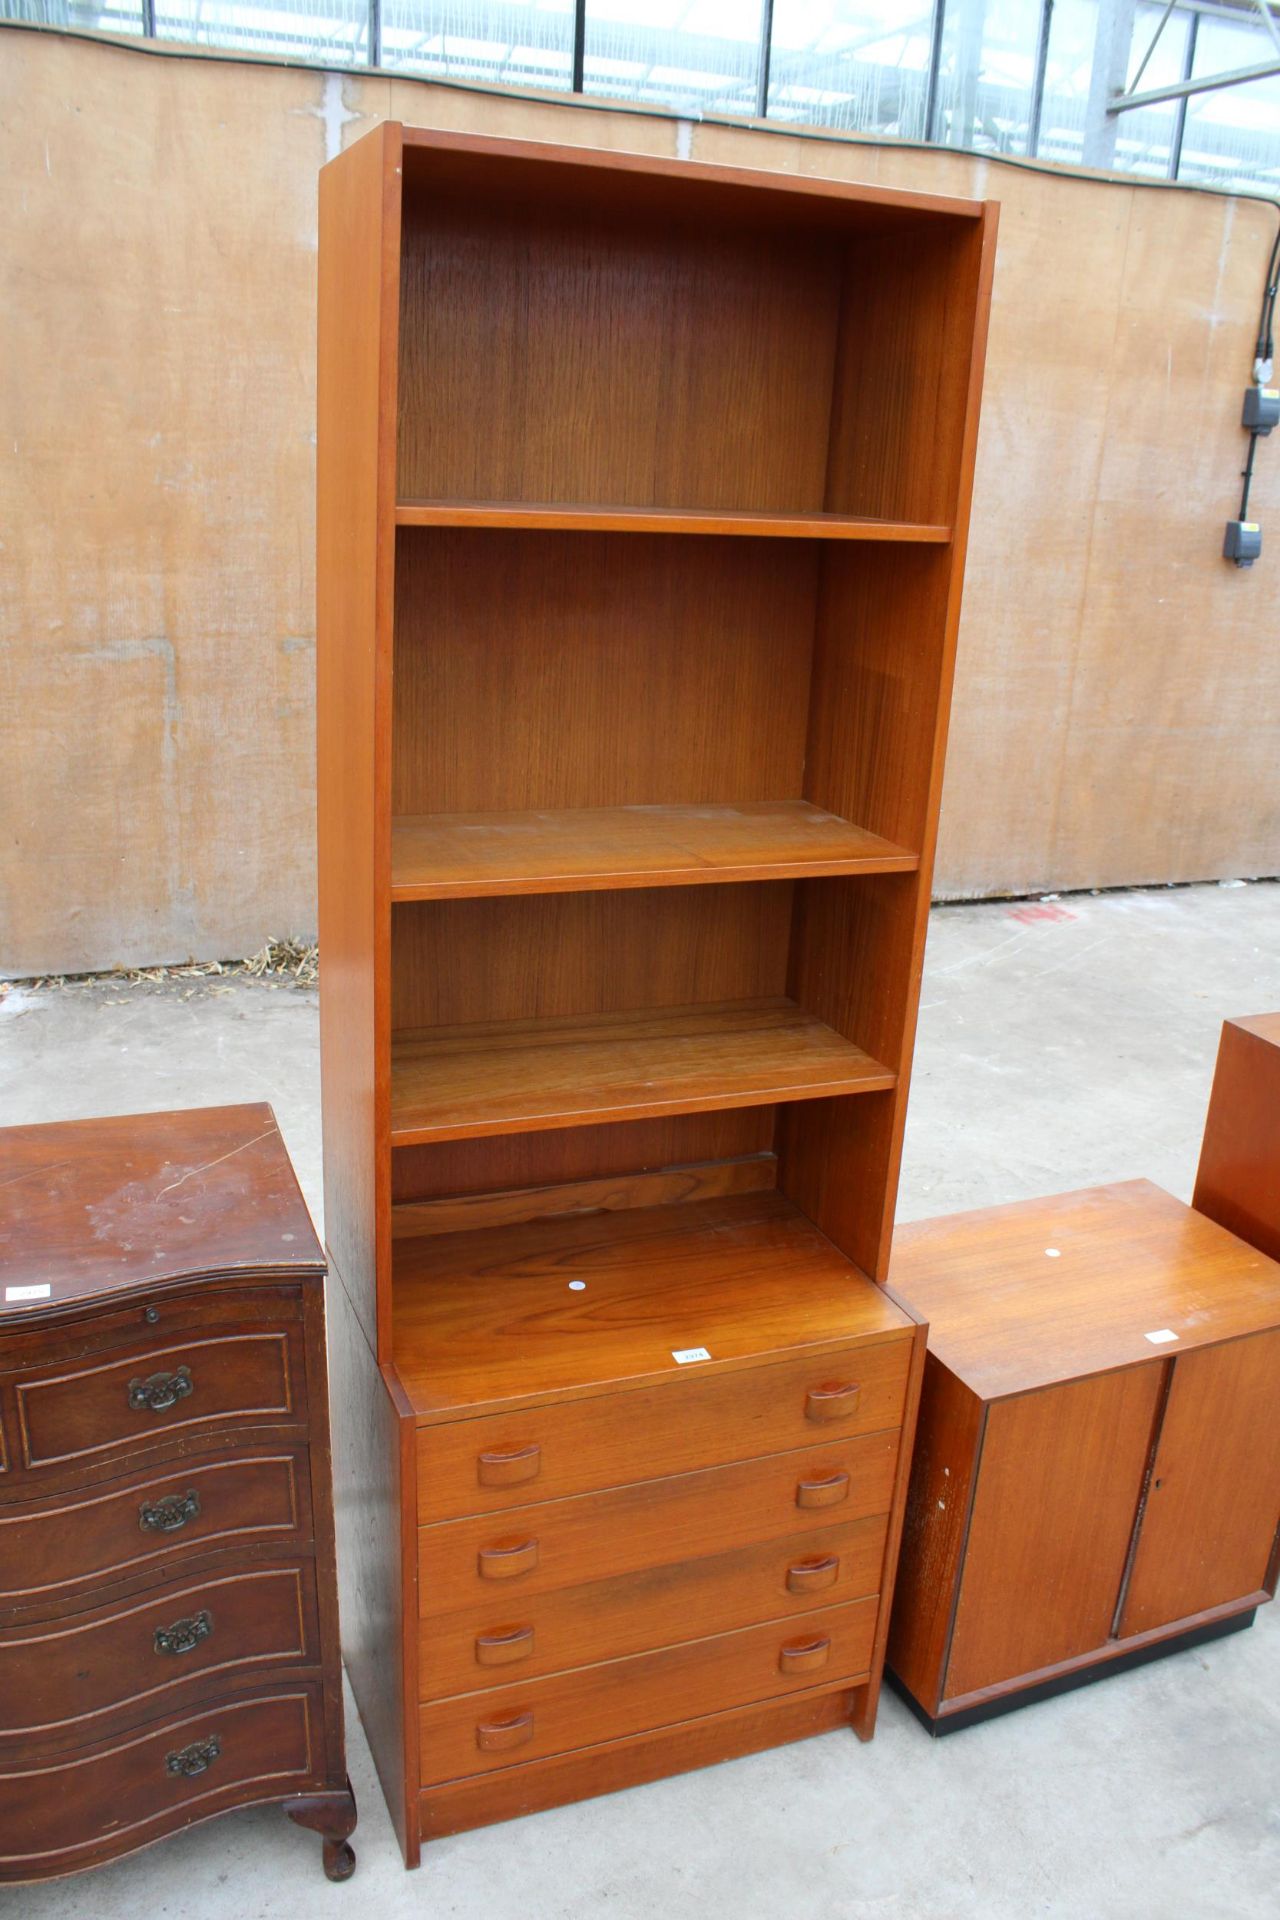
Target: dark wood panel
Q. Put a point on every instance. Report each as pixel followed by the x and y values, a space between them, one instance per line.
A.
pixel 1007 1314
pixel 499 1559
pixel 148 1523
pixel 489 1321
pixel 442 856
pixel 125 1794
pixel 1053 1514
pixel 501 1162
pixel 355 561
pixel 522 1637
pixel 1213 1504
pixel 567 670
pixel 577 1709
pixel 906 348
pixel 563 956
pixel 551 352
pixel 669 1186
pixel 1238 1181
pixel 943 1470
pixel 69 1682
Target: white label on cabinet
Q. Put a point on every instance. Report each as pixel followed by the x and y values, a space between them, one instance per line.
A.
pixel 1161 1337
pixel 28 1293
pixel 686 1354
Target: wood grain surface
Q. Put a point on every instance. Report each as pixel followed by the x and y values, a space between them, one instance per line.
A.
pixel 1238 1180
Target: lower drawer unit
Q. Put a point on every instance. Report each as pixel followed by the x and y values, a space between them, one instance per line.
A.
pixel 564 1543
pixel 152 1780
pixel 62 1682
pixel 479 1733
pixel 518 1637
pixel 70 1545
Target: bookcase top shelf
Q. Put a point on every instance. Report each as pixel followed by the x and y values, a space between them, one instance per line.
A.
pixel 489 1319
pixel 458 1083
pixel 453 856
pixel 551 517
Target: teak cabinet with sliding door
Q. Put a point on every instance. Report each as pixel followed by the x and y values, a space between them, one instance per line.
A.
pixel 643 491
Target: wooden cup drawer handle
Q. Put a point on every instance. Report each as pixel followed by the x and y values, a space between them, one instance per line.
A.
pixel 804 1656
pixel 501 1648
pixel 499 1736
pixel 507 1559
pixel 835 1400
pixel 828 1491
pixel 510 1468
pixel 811 1576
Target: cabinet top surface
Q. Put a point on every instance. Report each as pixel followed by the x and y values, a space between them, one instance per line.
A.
pixel 1043 1291
pixel 495 1319
pixel 92 1208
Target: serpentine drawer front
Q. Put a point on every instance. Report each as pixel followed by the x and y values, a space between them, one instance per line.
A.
pixel 168 1594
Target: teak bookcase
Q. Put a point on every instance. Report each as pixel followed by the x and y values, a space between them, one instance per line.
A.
pixel 643 494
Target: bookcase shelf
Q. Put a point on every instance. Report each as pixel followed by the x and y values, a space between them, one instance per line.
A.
pixel 643 494
pixel 464 1082
pixel 450 856
pixel 621 519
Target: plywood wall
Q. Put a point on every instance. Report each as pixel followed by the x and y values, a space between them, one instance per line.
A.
pixel 1117 711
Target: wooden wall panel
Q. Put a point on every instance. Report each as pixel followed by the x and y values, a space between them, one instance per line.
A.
pixel 1118 685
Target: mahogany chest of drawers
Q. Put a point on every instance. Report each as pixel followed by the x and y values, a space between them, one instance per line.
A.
pixel 168 1613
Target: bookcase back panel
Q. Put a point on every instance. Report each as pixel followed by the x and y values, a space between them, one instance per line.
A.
pixel 551 956
pixel 572 1155
pixel 595 670
pixel 553 351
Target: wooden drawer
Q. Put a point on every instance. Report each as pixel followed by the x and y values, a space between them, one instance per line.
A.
pixel 476 1733
pixel 698 1420
pixel 62 1813
pixel 637 1612
pixel 133 1396
pixel 149 1524
pixel 496 1560
pixel 154 1652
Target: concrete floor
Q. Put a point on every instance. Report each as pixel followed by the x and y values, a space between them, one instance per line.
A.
pixel 1059 1046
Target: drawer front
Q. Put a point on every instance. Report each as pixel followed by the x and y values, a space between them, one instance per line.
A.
pixel 658 1607
pixel 477 1733
pixel 692 1421
pixel 150 1523
pixel 56 1815
pixel 564 1543
pixel 138 1397
pixel 153 1653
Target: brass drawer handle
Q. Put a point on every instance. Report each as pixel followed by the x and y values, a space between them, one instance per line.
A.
pixel 187 1762
pixel 804 1656
pixel 834 1400
pixel 509 1468
pixel 169 1513
pixel 826 1491
pixel 501 1648
pixel 507 1559
pixel 161 1391
pixel 184 1636
pixel 500 1735
pixel 811 1576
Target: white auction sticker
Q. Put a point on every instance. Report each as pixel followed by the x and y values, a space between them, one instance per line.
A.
pixel 28 1293
pixel 686 1354
pixel 1161 1337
